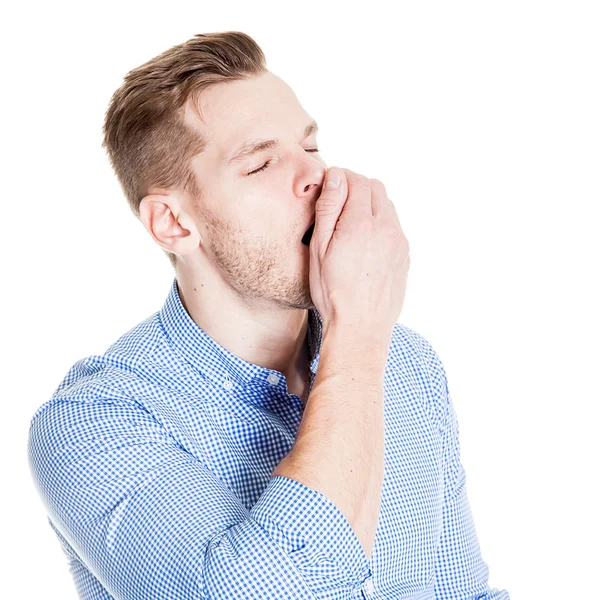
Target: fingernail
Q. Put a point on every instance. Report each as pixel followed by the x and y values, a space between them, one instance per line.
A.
pixel 333 178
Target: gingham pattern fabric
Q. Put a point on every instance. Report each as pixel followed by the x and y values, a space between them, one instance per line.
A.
pixel 154 463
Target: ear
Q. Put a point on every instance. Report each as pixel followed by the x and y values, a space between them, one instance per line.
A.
pixel 169 225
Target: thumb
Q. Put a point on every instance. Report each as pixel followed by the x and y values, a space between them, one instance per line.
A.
pixel 329 205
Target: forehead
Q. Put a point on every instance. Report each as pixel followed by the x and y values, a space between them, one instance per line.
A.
pixel 230 113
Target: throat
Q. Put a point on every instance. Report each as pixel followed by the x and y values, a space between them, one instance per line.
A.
pixel 299 381
pixel 300 389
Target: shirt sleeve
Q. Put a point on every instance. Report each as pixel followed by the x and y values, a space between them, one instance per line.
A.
pixel 149 520
pixel 461 573
pixel 86 585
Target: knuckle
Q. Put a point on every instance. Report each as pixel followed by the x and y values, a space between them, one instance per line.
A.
pixel 363 180
pixel 391 230
pixel 358 226
pixel 349 173
pixel 362 188
pixel 326 206
pixel 405 245
pixel 356 179
pixel 378 186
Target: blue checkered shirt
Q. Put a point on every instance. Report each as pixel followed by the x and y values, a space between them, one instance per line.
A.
pixel 154 463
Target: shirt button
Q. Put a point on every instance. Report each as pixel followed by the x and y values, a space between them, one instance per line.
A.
pixel 273 379
pixel 228 384
pixel 369 586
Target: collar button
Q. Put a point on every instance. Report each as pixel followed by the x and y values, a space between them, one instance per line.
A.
pixel 273 379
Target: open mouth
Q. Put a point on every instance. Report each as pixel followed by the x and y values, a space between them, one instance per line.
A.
pixel 308 235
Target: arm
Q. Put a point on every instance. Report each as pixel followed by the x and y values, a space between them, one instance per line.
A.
pixel 86 585
pixel 461 573
pixel 151 521
pixel 339 448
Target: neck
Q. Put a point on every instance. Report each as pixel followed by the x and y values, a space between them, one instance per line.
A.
pixel 276 340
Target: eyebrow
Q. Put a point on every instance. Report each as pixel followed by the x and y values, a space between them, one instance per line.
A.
pixel 250 148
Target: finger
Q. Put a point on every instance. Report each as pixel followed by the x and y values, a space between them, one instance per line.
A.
pixel 358 205
pixel 380 205
pixel 329 207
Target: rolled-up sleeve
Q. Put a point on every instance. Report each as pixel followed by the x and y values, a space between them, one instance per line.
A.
pixel 461 573
pixel 149 520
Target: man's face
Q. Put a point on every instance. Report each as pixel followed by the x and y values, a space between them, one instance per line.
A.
pixel 252 223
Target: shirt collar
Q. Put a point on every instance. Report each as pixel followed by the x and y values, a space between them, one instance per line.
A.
pixel 213 360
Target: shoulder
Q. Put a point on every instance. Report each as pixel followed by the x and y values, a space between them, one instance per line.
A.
pixel 414 355
pixel 409 344
pixel 116 376
pixel 99 406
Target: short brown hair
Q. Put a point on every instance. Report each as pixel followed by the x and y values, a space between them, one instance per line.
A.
pixel 147 141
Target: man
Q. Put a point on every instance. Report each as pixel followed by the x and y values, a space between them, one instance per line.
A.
pixel 233 444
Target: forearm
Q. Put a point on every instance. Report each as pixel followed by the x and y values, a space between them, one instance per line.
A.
pixel 339 448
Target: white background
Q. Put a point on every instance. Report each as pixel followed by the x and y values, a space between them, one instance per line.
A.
pixel 483 121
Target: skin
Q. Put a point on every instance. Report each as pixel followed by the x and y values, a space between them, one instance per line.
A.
pixel 243 273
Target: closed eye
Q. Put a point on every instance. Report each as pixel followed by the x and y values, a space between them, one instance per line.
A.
pixel 269 162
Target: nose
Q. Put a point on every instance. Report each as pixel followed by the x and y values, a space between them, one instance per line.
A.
pixel 317 179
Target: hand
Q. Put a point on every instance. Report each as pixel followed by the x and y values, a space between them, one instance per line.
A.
pixel 359 256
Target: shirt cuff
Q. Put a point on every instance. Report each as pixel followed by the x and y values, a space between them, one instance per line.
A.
pixel 302 520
